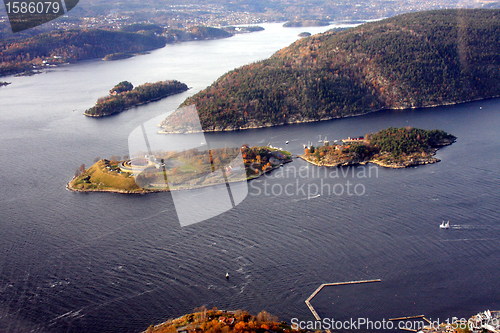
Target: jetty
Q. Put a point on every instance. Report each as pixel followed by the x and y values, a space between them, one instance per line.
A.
pixel 309 299
pixel 410 317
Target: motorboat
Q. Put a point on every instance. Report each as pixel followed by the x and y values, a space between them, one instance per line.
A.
pixel 444 225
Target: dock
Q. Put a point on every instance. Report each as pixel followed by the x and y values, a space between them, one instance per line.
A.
pixel 410 317
pixel 309 299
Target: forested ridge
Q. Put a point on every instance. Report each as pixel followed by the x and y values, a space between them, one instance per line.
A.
pixel 62 46
pixel 72 45
pixel 412 60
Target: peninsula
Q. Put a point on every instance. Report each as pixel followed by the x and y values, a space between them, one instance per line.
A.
pixel 392 148
pixel 413 60
pixel 166 171
pixel 124 96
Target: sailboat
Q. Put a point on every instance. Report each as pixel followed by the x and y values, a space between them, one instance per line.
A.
pixel 444 225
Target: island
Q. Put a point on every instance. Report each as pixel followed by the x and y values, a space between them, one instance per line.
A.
pixel 4 83
pixel 306 23
pixel 304 34
pixel 408 61
pixel 244 29
pixel 214 320
pixel 117 56
pixel 391 148
pixel 169 171
pixel 124 96
pixel 195 33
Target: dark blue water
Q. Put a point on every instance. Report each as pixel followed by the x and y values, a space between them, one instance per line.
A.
pixel 101 262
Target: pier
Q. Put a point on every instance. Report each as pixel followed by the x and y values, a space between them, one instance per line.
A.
pixel 309 299
pixel 410 317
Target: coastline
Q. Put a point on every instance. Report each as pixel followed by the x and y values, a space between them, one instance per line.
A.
pixel 423 161
pixel 306 121
pixel 70 188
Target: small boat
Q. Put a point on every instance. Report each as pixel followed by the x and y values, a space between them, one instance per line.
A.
pixel 227 276
pixel 444 225
pixel 287 142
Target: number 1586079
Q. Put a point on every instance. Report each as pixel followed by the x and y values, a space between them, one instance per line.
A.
pixel 33 7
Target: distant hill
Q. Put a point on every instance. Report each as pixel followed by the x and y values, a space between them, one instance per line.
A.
pixel 412 60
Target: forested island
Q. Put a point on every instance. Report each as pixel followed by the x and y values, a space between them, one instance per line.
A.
pixel 243 30
pixel 413 60
pixel 305 34
pixel 196 33
pixel 124 96
pixel 214 320
pixel 391 148
pixel 183 170
pixel 306 23
pixel 118 56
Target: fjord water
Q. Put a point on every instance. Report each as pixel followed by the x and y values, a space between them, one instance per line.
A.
pixel 102 262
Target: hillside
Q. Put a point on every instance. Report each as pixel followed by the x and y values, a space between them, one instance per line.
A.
pixel 412 60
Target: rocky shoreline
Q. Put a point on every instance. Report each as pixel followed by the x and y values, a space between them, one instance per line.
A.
pixel 397 165
pixel 143 191
pixel 305 121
